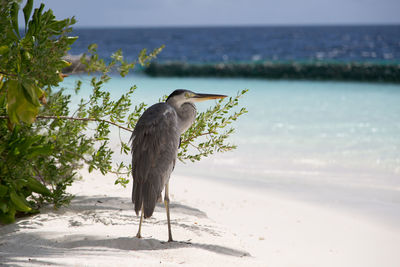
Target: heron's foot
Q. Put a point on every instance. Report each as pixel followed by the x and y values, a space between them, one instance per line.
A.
pixel 169 241
pixel 138 235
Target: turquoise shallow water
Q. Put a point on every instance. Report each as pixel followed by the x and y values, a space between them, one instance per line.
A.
pixel 334 141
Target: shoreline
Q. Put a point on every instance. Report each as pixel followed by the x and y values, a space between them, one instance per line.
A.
pixel 217 224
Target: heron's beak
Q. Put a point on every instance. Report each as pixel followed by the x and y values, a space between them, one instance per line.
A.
pixel 203 97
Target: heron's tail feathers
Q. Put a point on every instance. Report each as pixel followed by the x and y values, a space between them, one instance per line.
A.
pixel 146 195
pixel 137 199
pixel 150 199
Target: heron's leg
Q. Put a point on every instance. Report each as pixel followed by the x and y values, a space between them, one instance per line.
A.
pixel 138 235
pixel 166 202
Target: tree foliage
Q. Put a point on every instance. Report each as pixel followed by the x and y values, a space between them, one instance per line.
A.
pixel 44 142
pixel 30 61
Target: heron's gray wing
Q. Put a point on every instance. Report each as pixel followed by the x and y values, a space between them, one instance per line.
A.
pixel 155 142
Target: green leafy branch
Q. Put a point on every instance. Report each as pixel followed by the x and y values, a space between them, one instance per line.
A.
pixel 207 128
pixel 94 63
pixel 78 119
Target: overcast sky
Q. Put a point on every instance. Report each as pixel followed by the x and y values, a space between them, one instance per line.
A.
pixel 128 13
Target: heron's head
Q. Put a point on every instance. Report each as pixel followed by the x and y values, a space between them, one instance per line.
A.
pixel 181 96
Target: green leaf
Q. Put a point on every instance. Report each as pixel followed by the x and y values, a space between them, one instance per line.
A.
pixel 40 10
pixel 8 217
pixel 12 88
pixel 14 17
pixel 71 39
pixel 58 25
pixel 30 91
pixel 19 202
pixel 65 63
pixel 40 150
pixel 3 190
pixel 20 183
pixel 27 11
pixel 4 49
pixel 92 48
pixel 3 206
pixel 38 187
pixel 18 107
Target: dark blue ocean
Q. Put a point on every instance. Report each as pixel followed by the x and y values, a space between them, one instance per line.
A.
pixel 250 44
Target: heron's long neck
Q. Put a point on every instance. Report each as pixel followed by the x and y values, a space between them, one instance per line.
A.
pixel 186 116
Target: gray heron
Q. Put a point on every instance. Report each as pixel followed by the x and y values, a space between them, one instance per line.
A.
pixel 155 142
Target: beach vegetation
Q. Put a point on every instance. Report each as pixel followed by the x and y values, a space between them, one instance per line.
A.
pixel 44 141
pixel 312 70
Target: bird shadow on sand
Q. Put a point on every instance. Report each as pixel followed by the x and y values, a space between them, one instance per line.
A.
pixel 136 244
pixel 42 249
pixel 19 241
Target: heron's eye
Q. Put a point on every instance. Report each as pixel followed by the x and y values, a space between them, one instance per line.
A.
pixel 187 95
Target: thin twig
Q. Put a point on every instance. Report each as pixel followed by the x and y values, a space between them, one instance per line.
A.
pixel 38 173
pixel 194 137
pixel 8 74
pixel 119 173
pixel 198 149
pixel 77 119
pixel 88 163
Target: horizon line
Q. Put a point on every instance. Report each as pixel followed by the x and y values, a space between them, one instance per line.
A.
pixel 235 25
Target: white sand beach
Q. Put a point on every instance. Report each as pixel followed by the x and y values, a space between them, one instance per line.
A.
pixel 214 224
